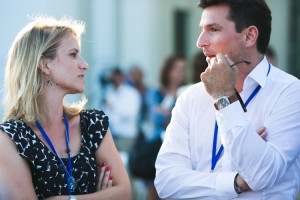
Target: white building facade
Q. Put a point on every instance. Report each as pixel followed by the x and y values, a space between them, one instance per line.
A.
pixel 127 32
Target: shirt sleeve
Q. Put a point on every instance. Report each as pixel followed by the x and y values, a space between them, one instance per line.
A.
pixel 175 176
pixel 96 122
pixel 18 133
pixel 265 163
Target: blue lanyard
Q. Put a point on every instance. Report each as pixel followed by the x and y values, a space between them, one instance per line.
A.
pixel 70 179
pixel 215 157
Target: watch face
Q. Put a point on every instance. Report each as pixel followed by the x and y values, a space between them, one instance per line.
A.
pixel 222 102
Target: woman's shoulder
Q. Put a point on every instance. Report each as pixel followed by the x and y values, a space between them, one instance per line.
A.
pixel 93 113
pixel 18 132
pixel 11 122
pixel 5 140
pixel 95 118
pixel 94 124
pixel 15 171
pixel 13 126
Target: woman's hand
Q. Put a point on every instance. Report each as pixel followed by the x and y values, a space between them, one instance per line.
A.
pixel 104 178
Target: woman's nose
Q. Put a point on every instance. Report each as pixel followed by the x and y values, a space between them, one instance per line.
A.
pixel 83 64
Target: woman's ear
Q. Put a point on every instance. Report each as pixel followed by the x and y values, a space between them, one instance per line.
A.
pixel 250 36
pixel 43 65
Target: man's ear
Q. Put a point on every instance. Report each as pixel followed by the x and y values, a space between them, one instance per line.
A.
pixel 250 36
pixel 43 65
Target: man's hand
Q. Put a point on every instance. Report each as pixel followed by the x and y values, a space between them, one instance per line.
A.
pixel 240 182
pixel 262 133
pixel 219 78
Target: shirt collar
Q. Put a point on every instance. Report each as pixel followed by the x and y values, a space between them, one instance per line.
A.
pixel 259 74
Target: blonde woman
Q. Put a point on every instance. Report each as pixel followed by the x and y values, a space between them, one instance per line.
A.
pixel 49 149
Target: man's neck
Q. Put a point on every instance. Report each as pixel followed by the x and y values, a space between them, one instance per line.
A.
pixel 245 70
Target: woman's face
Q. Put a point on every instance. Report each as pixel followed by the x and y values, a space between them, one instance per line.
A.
pixel 178 72
pixel 67 68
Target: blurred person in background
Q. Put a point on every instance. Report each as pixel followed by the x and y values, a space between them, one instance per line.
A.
pixel 136 80
pixel 123 104
pixel 49 149
pixel 139 155
pixel 199 65
pixel 211 149
pixel 172 76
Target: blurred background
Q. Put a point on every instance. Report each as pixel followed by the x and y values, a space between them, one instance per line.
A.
pixel 125 34
pixel 141 32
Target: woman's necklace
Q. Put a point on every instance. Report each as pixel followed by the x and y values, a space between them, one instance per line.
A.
pixel 72 183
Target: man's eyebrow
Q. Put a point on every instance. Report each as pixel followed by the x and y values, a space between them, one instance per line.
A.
pixel 211 25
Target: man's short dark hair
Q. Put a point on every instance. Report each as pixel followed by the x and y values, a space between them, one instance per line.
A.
pixel 245 13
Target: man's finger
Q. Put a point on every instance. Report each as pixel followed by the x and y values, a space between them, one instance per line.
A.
pixel 228 60
pixel 262 133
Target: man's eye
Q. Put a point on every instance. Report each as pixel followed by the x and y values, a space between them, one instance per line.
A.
pixel 213 30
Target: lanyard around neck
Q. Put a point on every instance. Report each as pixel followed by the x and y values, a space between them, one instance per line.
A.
pixel 215 157
pixel 70 179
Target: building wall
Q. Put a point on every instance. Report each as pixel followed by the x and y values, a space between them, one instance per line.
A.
pixel 280 30
pixel 127 32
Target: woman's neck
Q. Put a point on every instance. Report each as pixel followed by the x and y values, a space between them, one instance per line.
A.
pixel 55 106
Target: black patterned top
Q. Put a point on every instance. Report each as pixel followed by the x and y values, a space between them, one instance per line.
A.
pixel 48 175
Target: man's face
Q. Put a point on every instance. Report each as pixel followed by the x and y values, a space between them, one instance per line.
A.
pixel 218 34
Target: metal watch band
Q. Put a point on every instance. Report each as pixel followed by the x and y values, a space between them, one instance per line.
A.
pixel 229 99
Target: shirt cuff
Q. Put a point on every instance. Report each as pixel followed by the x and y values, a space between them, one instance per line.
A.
pixel 226 115
pixel 225 184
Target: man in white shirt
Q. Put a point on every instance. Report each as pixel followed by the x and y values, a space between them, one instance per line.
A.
pixel 123 106
pixel 211 149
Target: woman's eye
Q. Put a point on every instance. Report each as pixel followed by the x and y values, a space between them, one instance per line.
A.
pixel 73 54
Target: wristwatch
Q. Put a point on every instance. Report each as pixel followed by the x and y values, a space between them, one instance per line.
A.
pixel 72 197
pixel 224 101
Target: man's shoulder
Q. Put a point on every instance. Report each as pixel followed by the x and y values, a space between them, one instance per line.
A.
pixel 282 75
pixel 283 79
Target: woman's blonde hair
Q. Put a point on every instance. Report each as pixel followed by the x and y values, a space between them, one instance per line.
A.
pixel 24 81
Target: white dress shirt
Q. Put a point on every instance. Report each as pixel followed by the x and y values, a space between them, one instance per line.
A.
pixel 271 168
